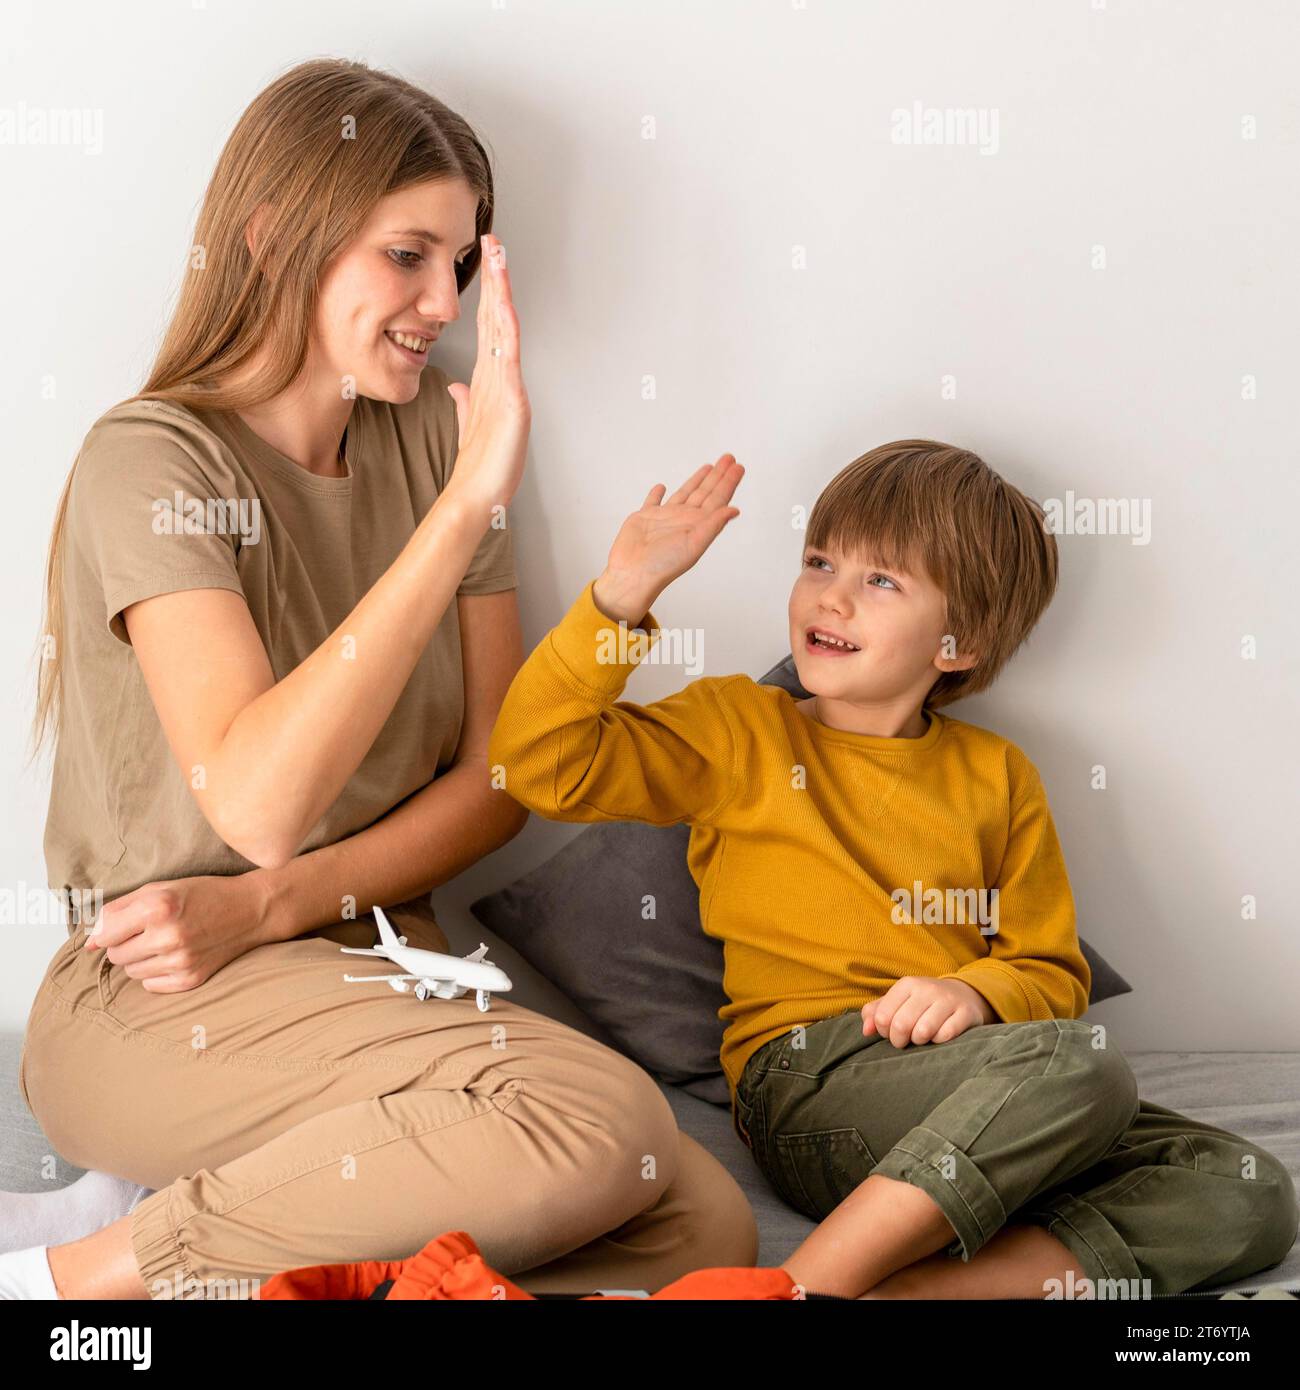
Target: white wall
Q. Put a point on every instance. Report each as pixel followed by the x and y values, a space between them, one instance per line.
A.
pixel 1117 127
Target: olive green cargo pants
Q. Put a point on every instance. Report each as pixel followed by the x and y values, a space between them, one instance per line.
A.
pixel 1024 1123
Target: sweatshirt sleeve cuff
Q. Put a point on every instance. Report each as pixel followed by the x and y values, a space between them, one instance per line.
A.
pixel 595 649
pixel 999 985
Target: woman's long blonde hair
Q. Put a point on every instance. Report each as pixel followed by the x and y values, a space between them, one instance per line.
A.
pixel 317 149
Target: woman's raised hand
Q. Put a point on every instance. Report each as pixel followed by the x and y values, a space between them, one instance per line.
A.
pixel 493 410
pixel 664 539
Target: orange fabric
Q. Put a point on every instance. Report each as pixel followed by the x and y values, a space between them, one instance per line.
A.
pixel 765 1283
pixel 451 1267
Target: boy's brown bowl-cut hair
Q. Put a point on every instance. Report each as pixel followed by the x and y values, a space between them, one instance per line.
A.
pixel 918 504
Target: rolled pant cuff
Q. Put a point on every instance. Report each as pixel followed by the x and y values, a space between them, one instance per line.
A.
pixel 1088 1236
pixel 923 1158
pixel 158 1252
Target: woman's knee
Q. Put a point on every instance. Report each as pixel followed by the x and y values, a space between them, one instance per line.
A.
pixel 718 1221
pixel 623 1134
pixel 614 1160
pixel 640 1124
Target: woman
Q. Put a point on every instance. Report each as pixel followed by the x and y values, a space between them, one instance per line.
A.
pixel 272 716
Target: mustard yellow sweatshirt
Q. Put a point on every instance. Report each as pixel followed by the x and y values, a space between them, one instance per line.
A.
pixel 830 864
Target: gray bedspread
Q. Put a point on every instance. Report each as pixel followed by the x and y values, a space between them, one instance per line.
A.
pixel 1255 1094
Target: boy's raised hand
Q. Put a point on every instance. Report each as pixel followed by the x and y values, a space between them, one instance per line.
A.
pixel 665 538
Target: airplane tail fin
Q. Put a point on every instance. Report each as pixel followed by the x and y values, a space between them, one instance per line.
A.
pixel 386 933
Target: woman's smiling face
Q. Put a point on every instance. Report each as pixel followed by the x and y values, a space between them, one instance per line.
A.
pixel 397 276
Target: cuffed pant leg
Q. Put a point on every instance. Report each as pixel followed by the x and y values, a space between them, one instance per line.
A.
pixel 1179 1203
pixel 702 1220
pixel 379 1178
pixel 1046 1105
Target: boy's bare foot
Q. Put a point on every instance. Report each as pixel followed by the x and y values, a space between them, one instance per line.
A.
pixel 1017 1262
pixel 881 1226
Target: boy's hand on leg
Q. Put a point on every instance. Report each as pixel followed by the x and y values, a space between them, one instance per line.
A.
pixel 917 1009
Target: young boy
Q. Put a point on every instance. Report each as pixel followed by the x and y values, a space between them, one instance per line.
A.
pixel 905 980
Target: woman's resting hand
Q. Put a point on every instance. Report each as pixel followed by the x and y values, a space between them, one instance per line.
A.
pixel 173 935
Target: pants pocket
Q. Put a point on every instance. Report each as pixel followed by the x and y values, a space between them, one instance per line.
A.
pixel 108 985
pixel 821 1047
pixel 743 1120
pixel 818 1169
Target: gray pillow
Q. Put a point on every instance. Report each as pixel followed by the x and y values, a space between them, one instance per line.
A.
pixel 653 986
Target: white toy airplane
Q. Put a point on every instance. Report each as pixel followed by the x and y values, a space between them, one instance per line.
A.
pixel 444 977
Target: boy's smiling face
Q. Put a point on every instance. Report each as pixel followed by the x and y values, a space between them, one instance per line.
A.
pixel 894 620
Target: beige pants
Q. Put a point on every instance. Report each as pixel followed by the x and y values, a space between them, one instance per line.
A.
pixel 288 1118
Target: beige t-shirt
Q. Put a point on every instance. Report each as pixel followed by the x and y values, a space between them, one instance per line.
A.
pixel 164 499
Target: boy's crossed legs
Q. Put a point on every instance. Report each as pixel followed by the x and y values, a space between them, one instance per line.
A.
pixel 1027 1142
pixel 883 1237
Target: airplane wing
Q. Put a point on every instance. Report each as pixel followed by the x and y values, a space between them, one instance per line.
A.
pixel 383 977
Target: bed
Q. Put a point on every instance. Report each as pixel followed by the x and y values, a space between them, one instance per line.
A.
pixel 1255 1094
